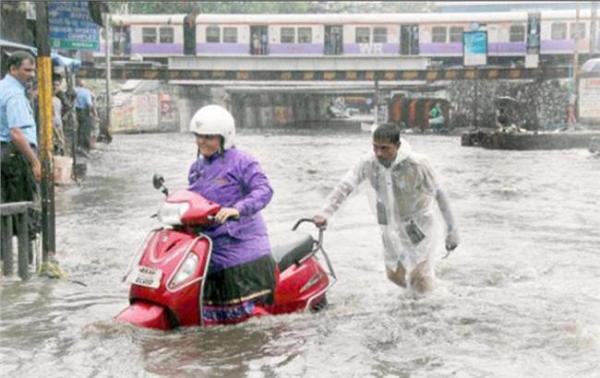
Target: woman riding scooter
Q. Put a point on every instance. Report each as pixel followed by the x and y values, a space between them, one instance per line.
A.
pixel 242 270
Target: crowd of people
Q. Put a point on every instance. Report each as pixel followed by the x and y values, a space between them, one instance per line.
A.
pixel 20 166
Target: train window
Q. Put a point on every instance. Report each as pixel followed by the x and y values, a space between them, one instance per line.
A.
pixel 148 35
pixel 166 35
pixel 558 31
pixel 379 35
pixel 304 35
pixel 438 34
pixel 229 35
pixel 577 30
pixel 288 35
pixel 213 34
pixel 456 34
pixel 363 35
pixel 517 33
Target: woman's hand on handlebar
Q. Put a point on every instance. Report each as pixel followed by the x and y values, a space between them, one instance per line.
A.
pixel 226 213
pixel 320 221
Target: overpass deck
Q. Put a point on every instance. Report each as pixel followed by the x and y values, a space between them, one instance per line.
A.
pixel 225 73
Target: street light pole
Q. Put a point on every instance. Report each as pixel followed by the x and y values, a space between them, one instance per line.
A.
pixel 593 28
pixel 44 77
pixel 575 90
pixel 108 42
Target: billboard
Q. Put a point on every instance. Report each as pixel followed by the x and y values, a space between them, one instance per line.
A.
pixel 71 26
pixel 475 48
pixel 589 98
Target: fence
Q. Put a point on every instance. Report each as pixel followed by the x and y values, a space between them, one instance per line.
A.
pixel 15 217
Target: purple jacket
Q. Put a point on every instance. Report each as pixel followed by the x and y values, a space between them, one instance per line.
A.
pixel 234 179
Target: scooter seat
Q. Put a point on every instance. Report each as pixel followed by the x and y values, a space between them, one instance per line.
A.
pixel 290 247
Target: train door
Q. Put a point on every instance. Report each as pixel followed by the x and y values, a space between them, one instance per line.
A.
pixel 189 34
pixel 334 40
pixel 259 40
pixel 121 39
pixel 409 39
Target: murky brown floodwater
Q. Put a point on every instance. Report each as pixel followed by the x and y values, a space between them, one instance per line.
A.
pixel 519 298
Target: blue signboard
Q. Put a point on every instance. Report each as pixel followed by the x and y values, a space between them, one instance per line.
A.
pixel 71 26
pixel 475 48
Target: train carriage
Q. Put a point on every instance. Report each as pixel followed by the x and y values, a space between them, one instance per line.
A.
pixel 147 35
pixel 429 35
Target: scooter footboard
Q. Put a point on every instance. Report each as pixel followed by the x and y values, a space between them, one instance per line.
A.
pixel 146 315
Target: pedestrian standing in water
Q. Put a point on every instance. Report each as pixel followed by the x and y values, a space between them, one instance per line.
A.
pixel 406 188
pixel 20 165
pixel 84 105
pixel 57 123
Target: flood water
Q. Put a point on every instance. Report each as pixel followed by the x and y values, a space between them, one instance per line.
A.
pixel 520 297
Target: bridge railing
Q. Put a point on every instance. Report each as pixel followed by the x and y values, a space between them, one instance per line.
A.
pixel 15 217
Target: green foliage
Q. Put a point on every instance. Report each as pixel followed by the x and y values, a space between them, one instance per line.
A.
pixel 258 7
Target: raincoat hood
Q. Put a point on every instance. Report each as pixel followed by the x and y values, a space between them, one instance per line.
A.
pixel 403 153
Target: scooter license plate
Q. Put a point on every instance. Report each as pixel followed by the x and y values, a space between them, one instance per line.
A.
pixel 148 277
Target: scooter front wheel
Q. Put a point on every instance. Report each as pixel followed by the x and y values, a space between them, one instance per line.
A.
pixel 320 304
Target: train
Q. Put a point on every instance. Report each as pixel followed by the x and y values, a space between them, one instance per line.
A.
pixel 437 36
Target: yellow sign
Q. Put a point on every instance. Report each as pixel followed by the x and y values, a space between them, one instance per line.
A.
pixel 432 75
pixel 492 74
pixel 451 74
pixel 409 75
pixel 470 74
pixel 514 74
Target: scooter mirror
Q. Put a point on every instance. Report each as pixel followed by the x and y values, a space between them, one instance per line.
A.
pixel 158 181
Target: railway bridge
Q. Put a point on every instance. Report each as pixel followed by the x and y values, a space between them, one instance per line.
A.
pixel 280 91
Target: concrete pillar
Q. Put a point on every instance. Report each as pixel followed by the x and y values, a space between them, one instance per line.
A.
pixel 185 114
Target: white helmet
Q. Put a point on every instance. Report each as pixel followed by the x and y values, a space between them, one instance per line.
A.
pixel 214 120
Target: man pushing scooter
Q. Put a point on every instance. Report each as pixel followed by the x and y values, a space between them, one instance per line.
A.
pixel 405 186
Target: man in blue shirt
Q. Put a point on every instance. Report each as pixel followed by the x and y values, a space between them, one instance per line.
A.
pixel 19 163
pixel 84 105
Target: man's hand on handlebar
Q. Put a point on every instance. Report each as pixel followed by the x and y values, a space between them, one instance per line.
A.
pixel 320 221
pixel 226 213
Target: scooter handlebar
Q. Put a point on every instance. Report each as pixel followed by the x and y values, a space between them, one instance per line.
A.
pixel 310 220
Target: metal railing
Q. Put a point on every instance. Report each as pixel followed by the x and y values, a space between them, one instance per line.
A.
pixel 14 216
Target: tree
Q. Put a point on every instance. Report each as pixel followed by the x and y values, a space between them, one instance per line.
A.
pixel 258 7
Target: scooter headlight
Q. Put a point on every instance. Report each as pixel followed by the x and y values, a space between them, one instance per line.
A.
pixel 185 271
pixel 170 213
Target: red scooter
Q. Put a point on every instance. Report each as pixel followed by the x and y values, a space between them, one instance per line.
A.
pixel 167 274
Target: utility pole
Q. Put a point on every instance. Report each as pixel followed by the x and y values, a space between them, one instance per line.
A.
pixel 575 90
pixel 593 29
pixel 108 42
pixel 376 103
pixel 44 77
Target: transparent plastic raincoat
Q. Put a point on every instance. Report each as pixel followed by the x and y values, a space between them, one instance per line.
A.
pixel 404 195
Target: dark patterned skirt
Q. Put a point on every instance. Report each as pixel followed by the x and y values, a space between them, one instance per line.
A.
pixel 231 294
